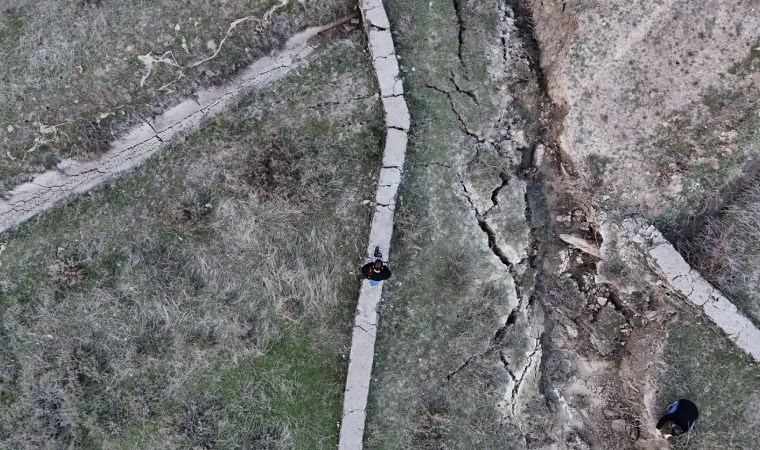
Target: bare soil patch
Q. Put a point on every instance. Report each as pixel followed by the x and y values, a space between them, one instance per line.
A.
pixel 660 90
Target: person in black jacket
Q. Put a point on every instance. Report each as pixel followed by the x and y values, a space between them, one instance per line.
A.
pixel 375 270
pixel 681 418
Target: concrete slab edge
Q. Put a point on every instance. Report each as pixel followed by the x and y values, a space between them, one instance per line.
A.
pixel 397 119
pixel 689 283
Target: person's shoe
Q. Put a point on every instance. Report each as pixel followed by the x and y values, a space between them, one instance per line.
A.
pixel 377 252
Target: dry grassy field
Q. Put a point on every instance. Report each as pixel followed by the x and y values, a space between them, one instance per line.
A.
pixel 76 73
pixel 204 300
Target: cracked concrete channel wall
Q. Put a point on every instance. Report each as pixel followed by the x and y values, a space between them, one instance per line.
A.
pixel 397 120
pixel 666 260
pixel 140 143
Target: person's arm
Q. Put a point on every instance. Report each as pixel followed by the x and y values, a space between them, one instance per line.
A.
pixel 385 273
pixel 662 420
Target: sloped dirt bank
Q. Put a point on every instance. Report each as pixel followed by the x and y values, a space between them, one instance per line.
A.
pixel 609 317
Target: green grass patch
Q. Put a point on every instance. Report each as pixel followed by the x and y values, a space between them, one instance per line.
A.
pixel 707 369
pixel 297 384
pixel 750 64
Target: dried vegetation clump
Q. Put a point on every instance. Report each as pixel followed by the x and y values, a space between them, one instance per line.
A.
pixel 199 421
pixel 87 3
pixel 728 250
pixel 94 138
pixel 68 272
pixel 280 169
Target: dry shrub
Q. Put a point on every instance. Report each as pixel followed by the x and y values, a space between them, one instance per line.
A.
pixel 68 272
pixel 94 138
pixel 434 422
pixel 83 3
pixel 50 418
pixel 459 269
pixel 194 210
pixel 276 170
pixel 290 167
pixel 89 365
pixel 729 246
pixel 154 338
pixel 203 336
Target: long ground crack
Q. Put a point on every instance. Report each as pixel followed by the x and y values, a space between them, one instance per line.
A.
pixel 460 30
pixel 483 224
pixel 519 380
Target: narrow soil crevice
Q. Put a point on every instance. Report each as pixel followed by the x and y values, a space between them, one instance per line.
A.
pixel 624 309
pixel 460 30
pixel 504 362
pixel 495 194
pixel 428 164
pixel 457 114
pixel 459 89
pixel 517 11
pixel 486 228
pixel 526 369
pixel 462 367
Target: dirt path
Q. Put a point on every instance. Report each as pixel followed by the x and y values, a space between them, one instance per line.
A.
pixel 73 177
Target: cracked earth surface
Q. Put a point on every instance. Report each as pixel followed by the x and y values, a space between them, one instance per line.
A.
pixel 477 188
pixel 550 362
pixel 580 339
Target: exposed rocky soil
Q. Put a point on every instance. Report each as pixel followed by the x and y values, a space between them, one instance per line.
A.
pixel 624 78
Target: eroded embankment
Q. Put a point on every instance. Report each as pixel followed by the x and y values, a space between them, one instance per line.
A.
pixel 72 177
pixel 608 313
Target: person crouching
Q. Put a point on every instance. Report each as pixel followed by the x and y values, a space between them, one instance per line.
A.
pixel 376 272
